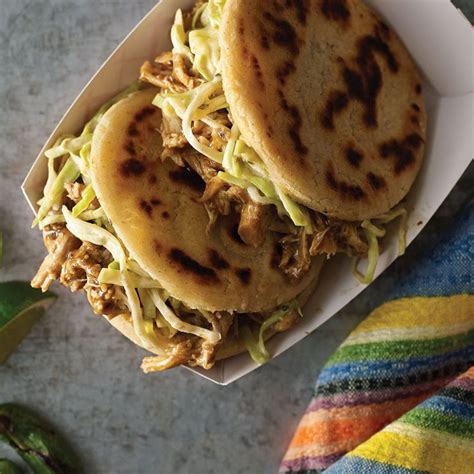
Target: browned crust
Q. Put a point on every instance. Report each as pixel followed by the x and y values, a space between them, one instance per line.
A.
pixel 155 209
pixel 330 99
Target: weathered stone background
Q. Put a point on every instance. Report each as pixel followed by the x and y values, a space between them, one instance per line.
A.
pixel 72 366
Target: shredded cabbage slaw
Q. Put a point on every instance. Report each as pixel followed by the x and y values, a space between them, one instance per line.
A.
pixel 373 233
pixel 146 300
pixel 153 311
pixel 242 166
pixel 255 343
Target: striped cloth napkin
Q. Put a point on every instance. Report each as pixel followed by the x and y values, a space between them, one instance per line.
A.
pixel 411 360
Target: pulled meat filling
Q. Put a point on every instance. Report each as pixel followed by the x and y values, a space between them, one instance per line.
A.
pixel 78 264
pixel 329 237
pixel 253 223
pixel 81 271
pixel 169 73
pixel 59 242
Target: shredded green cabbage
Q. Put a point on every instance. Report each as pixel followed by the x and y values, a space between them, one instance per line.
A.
pixel 230 161
pixel 241 163
pixel 152 316
pixel 68 174
pixel 204 41
pixel 250 341
pixel 68 145
pixel 197 15
pixel 114 277
pixel 199 99
pixel 88 195
pixel 373 233
pixel 93 215
pixel 149 310
pixel 211 336
pixel 402 230
pixel 213 15
pixel 255 344
pixel 206 56
pixel 372 256
pixel 114 265
pixel 178 36
pixel 228 178
pixel 77 149
pixel 88 232
pixel 297 213
pixel 52 175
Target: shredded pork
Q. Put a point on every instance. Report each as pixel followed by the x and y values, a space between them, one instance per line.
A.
pixel 77 266
pixel 295 260
pixel 192 350
pixel 253 223
pixel 172 72
pixel 59 242
pixel 81 271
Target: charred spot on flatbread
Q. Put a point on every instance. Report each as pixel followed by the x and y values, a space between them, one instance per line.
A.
pixel 284 70
pixel 185 176
pixel 294 115
pixel 244 275
pixel 335 104
pixel 283 33
pixel 335 10
pixel 375 182
pixel 353 156
pixel 402 151
pixel 188 265
pixel 129 147
pixel 364 79
pixel 217 260
pixel 132 130
pixel 146 207
pixel 132 167
pixel 258 71
pixel 349 191
pixel 302 9
pixel 146 112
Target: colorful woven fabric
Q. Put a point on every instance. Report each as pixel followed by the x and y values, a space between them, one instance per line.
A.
pixel 404 352
pixel 437 436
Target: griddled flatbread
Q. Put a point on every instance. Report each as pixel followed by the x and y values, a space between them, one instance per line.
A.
pixel 329 97
pixel 155 210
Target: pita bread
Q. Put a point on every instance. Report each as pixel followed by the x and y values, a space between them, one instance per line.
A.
pixel 155 210
pixel 328 96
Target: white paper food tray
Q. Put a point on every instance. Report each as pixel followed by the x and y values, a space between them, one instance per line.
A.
pixel 440 40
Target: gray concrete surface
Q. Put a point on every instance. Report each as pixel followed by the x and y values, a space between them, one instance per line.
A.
pixel 72 367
